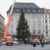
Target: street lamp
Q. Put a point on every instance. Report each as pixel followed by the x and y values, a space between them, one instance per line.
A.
pixel 40 30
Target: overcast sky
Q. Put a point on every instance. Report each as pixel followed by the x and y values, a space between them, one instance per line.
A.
pixel 5 4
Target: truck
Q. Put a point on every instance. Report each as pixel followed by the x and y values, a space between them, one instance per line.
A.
pixel 8 39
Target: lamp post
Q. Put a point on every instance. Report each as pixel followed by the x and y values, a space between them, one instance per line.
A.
pixel 40 29
pixel 40 34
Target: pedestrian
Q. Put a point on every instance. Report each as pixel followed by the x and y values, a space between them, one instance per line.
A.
pixel 34 43
pixel 18 43
pixel 42 43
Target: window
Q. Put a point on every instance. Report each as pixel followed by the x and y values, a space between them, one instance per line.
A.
pixel 28 10
pixel 34 31
pixel 11 19
pixel 11 25
pixel 39 10
pixel 7 39
pixel 46 33
pixel 17 20
pixel 34 15
pixel 43 21
pixel 49 21
pixel 39 31
pixel 38 15
pixel 46 20
pixel 28 14
pixel 17 9
pixel 49 16
pixel 17 14
pixel 39 26
pixel 34 21
pixel 46 16
pixel 49 27
pixel 11 31
pixel 46 27
pixel 34 10
pixel 34 26
pixel 39 20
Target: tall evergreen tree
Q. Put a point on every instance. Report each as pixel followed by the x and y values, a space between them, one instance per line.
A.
pixel 22 30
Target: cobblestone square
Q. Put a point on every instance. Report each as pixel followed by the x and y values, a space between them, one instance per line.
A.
pixel 24 47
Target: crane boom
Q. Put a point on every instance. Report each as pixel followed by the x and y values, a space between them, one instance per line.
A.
pixel 9 19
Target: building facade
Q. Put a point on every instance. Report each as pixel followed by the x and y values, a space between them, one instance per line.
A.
pixel 33 15
pixel 1 25
pixel 46 23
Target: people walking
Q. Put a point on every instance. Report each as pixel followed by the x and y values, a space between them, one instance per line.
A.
pixel 42 42
pixel 34 44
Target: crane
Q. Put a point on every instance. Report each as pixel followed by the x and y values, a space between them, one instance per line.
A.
pixel 7 27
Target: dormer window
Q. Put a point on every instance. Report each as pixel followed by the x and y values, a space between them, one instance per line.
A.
pixel 28 10
pixel 39 11
pixel 17 9
pixel 34 10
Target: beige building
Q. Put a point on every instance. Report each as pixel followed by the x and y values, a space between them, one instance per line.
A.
pixel 33 15
pixel 1 25
pixel 46 23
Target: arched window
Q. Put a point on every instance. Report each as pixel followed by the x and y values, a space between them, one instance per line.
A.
pixel 34 31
